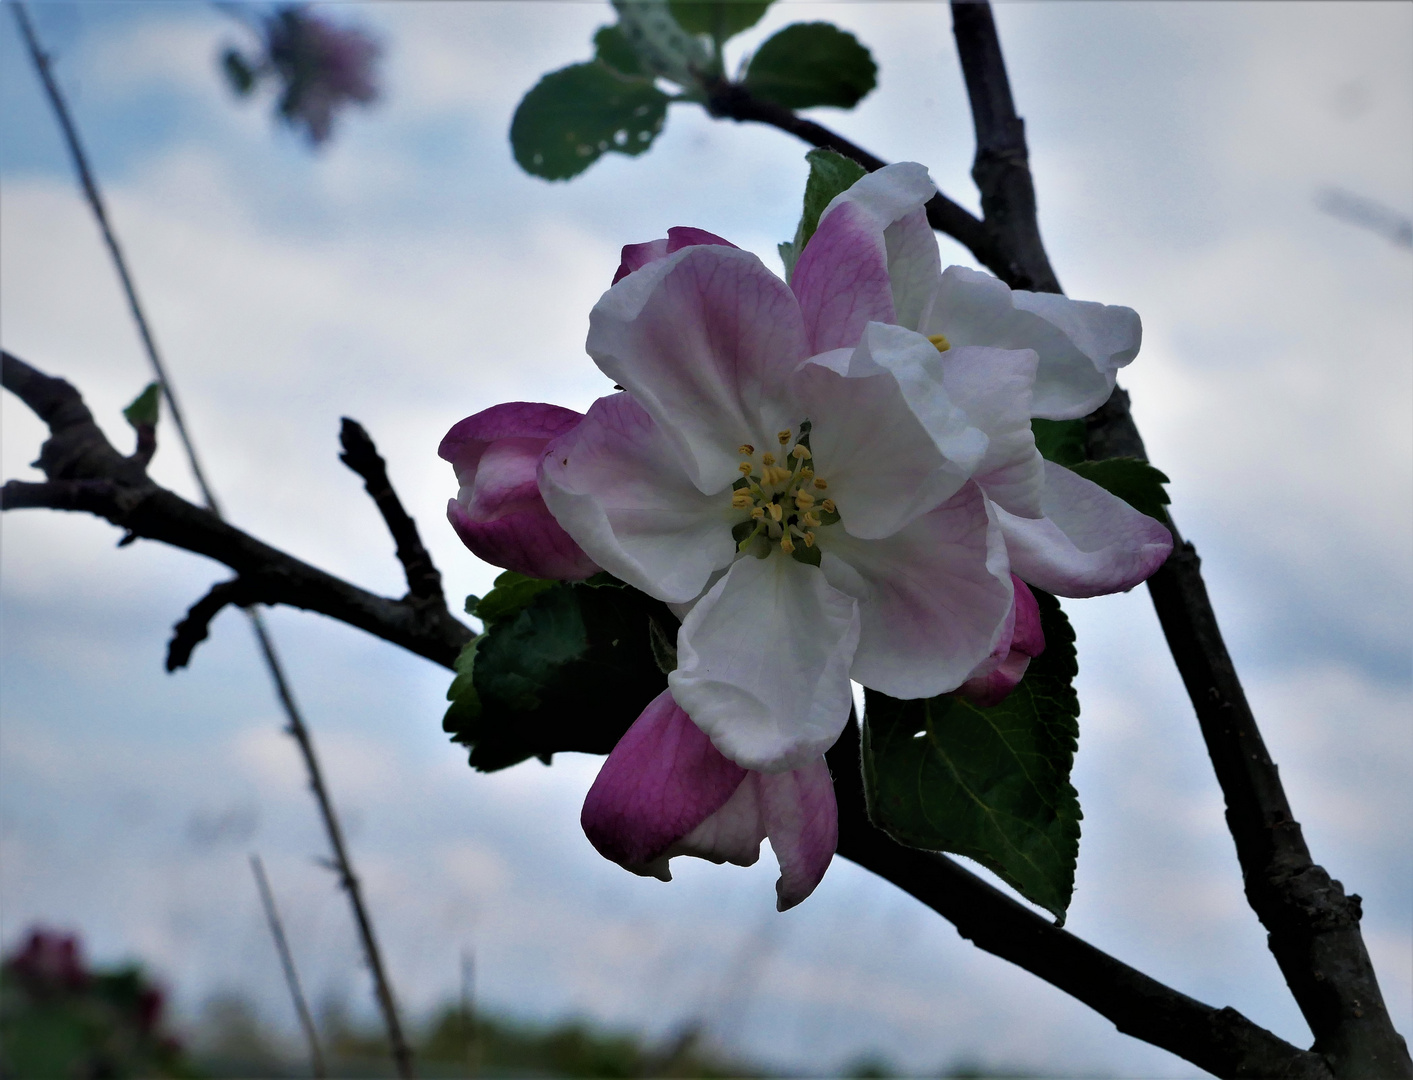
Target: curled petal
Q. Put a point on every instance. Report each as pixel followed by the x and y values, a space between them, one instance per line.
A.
pixel 934 598
pixel 995 678
pixel 498 512
pixel 614 485
pixel 662 781
pixel 637 256
pixel 1088 543
pixel 763 663
pixel 1080 345
pixel 704 340
pixel 801 818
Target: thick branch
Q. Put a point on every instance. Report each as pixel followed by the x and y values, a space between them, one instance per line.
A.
pixel 1313 927
pixel 87 474
pixel 1222 1041
pixel 360 455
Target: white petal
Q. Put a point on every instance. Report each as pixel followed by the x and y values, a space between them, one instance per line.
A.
pixel 993 388
pixel 933 598
pixel 763 663
pixel 703 339
pixel 885 436
pixel 1088 543
pixel 1081 345
pixel 614 485
pixel 733 833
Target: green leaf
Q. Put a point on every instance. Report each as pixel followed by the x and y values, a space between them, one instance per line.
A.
pixel 663 46
pixel 511 593
pixel 1135 482
pixel 615 50
pixel 991 784
pixel 575 115
pixel 240 73
pixel 719 18
pixel 565 667
pixel 143 411
pixel 809 64
pixel 1060 441
pixel 830 175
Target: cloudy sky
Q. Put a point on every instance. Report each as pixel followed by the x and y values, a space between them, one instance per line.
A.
pixel 411 275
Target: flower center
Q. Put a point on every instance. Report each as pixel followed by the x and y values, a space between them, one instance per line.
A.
pixel 785 502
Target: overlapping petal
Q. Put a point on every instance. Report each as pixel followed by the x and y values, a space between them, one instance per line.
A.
pixel 498 512
pixel 801 818
pixel 933 598
pixel 1088 543
pixel 637 256
pixel 615 484
pixel 1080 345
pixel 1021 642
pixel 763 663
pixel 704 340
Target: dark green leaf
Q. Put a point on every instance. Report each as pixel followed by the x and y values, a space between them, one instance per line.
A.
pixel 144 409
pixel 617 52
pixel 719 18
pixel 1060 441
pixel 575 115
pixel 511 593
pixel 1135 482
pixel 809 64
pixel 567 667
pixel 830 175
pixel 239 72
pixel 991 784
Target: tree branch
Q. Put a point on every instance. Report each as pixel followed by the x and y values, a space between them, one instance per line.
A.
pixel 86 473
pixel 359 454
pixel 1313 927
pixel 1222 1041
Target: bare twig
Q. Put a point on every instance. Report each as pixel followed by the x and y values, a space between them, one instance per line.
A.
pixel 277 931
pixel 1222 1041
pixel 359 454
pixel 1313 927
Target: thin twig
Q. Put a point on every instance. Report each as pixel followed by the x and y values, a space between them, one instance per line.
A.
pixel 277 931
pixel 424 581
pixel 401 1052
pixel 1313 927
pixel 1222 1041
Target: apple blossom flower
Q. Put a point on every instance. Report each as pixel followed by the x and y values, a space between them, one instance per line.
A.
pixel 994 678
pixel 498 512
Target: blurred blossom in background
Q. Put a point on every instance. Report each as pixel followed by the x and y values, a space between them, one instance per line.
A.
pixel 411 274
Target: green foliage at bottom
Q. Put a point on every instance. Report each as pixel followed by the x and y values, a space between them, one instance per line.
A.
pixel 991 784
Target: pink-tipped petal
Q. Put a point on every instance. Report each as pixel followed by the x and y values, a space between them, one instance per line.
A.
pixel 498 512
pixel 662 780
pixel 637 256
pixel 732 834
pixel 842 279
pixel 802 820
pixel 1088 543
pixel 999 674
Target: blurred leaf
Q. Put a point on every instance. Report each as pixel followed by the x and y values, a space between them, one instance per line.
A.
pixel 662 45
pixel 239 72
pixel 809 64
pixel 991 784
pixel 1135 482
pixel 719 18
pixel 1060 441
pixel 830 175
pixel 143 411
pixel 575 115
pixel 615 50
pixel 560 667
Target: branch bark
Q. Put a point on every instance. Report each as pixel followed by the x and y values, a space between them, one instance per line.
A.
pixel 86 473
pixel 1313 926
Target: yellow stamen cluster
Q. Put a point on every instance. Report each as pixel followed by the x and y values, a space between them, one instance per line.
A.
pixel 940 340
pixel 776 495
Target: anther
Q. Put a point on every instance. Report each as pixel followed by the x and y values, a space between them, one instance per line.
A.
pixel 775 512
pixel 786 544
pixel 774 474
pixel 810 519
pixel 745 449
pixel 809 539
pixel 745 468
pixel 821 483
pixel 741 499
pixel 829 507
pixel 940 340
pixel 804 500
pixel 767 458
pixel 758 514
pixel 783 436
pixel 800 451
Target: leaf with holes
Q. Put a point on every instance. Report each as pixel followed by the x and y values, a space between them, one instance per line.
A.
pixel 560 667
pixel 809 64
pixel 574 116
pixel 991 784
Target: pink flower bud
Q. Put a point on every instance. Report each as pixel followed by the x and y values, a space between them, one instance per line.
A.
pixel 1000 673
